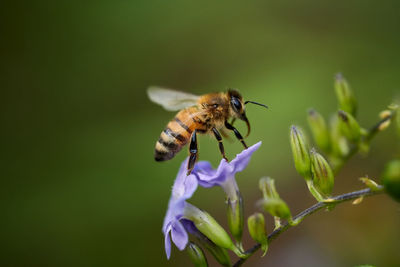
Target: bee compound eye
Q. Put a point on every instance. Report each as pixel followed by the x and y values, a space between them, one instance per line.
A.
pixel 237 106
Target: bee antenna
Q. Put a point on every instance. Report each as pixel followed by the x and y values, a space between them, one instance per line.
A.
pixel 252 102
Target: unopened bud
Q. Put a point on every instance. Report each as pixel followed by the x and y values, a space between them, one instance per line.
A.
pixel 319 130
pixel 256 225
pixel 196 254
pixel 340 146
pixel 385 115
pixel 300 152
pixel 347 101
pixel 371 184
pixel 323 178
pixel 267 187
pixel 276 207
pixel 358 200
pixel 220 254
pixel 391 179
pixel 271 201
pixel 207 225
pixel 349 126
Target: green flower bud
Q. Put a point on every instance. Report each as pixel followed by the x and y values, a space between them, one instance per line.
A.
pixel 340 147
pixel 207 225
pixel 276 207
pixel 371 184
pixel 256 225
pixel 323 178
pixel 347 101
pixel 349 126
pixel 391 179
pixel 319 130
pixel 196 255
pixel 267 187
pixel 300 152
pixel 220 254
pixel 271 201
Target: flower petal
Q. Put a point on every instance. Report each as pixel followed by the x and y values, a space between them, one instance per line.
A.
pixel 167 243
pixel 190 186
pixel 179 235
pixel 243 158
pixel 184 185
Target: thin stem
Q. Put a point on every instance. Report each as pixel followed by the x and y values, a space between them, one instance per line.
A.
pixel 316 207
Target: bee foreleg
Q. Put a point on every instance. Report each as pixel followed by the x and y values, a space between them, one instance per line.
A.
pixel 237 134
pixel 193 152
pixel 221 145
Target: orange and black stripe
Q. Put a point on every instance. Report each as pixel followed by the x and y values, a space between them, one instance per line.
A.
pixel 174 137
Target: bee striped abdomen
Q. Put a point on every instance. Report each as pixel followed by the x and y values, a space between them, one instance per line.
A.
pixel 174 137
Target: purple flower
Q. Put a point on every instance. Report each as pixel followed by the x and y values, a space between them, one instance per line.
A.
pixel 209 177
pixel 184 187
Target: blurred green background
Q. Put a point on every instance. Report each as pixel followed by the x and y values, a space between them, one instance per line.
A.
pixel 79 186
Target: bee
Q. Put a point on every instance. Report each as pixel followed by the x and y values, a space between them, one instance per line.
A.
pixel 205 114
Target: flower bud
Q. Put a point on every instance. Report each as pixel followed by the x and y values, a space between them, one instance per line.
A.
pixel 271 201
pixel 220 254
pixel 349 126
pixel 267 187
pixel 347 101
pixel 208 226
pixel 371 184
pixel 323 178
pixel 256 225
pixel 340 147
pixel 196 255
pixel 300 152
pixel 319 130
pixel 276 207
pixel 391 179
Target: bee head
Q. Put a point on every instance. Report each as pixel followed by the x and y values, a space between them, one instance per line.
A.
pixel 237 105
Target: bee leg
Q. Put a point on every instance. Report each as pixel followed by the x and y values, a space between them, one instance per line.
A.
pixel 193 152
pixel 221 145
pixel 237 134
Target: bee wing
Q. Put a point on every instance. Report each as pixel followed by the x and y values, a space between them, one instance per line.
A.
pixel 170 99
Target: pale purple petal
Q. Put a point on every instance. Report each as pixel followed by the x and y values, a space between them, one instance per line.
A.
pixel 209 177
pixel 167 243
pixel 179 235
pixel 183 188
pixel 243 158
pixel 215 177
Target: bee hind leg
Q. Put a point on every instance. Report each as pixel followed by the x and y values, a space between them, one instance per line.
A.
pixel 193 152
pixel 237 134
pixel 221 145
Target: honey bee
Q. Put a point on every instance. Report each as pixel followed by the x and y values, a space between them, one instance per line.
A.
pixel 206 114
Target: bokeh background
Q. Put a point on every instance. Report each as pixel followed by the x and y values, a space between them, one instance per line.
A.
pixel 79 186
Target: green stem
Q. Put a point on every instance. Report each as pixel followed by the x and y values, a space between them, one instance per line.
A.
pixel 316 207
